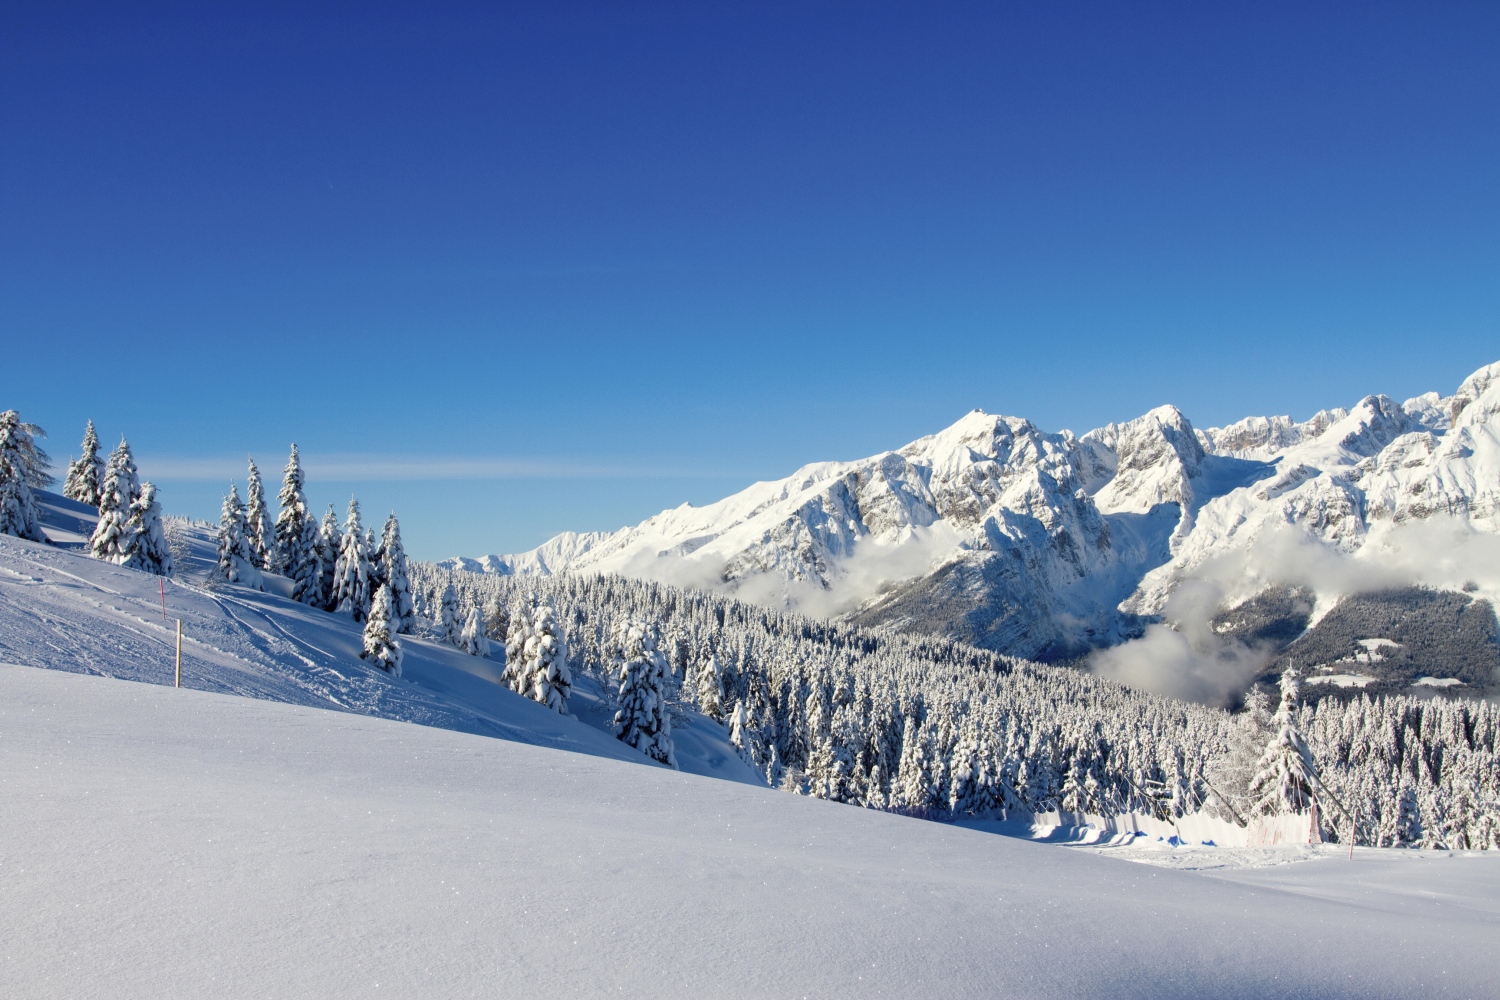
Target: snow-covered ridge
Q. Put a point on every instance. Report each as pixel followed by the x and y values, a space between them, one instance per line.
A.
pixel 1048 544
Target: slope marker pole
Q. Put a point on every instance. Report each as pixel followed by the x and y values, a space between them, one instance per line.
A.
pixel 161 582
pixel 177 681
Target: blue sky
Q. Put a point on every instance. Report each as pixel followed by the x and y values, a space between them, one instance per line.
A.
pixel 564 265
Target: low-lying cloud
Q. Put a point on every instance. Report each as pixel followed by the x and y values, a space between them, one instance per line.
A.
pixel 1185 658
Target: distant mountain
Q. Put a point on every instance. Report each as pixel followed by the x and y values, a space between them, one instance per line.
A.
pixel 1046 545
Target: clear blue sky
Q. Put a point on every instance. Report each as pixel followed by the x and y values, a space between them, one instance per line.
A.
pixel 588 261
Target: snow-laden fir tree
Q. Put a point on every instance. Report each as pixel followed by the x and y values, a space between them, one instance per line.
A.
pixel 112 540
pixel 295 556
pixel 497 620
pixel 642 720
pixel 259 530
pixel 381 647
pixel 326 547
pixel 474 639
pixel 23 468
pixel 449 629
pixel 351 575
pixel 739 735
pixel 377 561
pixel 152 554
pixel 710 686
pixel 395 575
pixel 536 657
pixel 236 561
pixel 1286 779
pixel 86 474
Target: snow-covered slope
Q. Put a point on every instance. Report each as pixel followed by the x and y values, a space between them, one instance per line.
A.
pixel 183 843
pixel 62 610
pixel 1046 545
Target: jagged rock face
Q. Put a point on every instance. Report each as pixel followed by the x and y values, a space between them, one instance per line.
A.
pixel 1044 544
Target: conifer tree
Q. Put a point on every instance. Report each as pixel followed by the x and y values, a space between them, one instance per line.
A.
pixel 325 545
pixel 1286 779
pixel 351 576
pixel 739 737
pixel 381 647
pixel 473 639
pixel 259 531
pixel 395 574
pixel 152 553
pixel 23 467
pixel 448 627
pixel 112 540
pixel 293 558
pixel 642 721
pixel 536 657
pixel 236 561
pixel 710 689
pixel 86 474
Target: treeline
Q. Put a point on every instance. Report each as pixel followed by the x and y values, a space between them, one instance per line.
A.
pixel 931 727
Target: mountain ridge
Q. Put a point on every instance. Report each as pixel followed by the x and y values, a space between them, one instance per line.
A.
pixel 1047 545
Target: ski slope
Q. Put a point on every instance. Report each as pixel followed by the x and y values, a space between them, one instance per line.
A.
pixel 161 842
pixel 63 610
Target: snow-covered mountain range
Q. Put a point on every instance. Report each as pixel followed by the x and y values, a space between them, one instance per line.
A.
pixel 1046 545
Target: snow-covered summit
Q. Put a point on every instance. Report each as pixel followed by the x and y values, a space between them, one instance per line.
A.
pixel 1046 544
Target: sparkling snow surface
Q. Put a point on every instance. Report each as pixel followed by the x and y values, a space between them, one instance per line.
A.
pixel 158 842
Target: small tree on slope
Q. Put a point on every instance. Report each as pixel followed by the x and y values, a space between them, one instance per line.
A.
pixel 474 640
pixel 293 557
pixel 397 577
pixel 258 528
pixel 351 576
pixel 710 686
pixel 642 720
pixel 381 647
pixel 326 551
pixel 112 540
pixel 1286 780
pixel 23 467
pixel 448 628
pixel 86 474
pixel 152 553
pixel 236 562
pixel 539 667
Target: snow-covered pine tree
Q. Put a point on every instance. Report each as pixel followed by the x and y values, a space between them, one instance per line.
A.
pixel 642 721
pixel 710 686
pixel 326 547
pixel 86 474
pixel 448 627
pixel 259 531
pixel 351 576
pixel 1286 780
pixel 381 647
pixel 739 736
pixel 395 575
pixel 473 639
pixel 236 561
pixel 23 467
pixel 497 620
pixel 536 657
pixel 292 558
pixel 152 553
pixel 112 540
pixel 377 561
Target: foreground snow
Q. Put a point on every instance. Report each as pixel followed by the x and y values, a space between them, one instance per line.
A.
pixel 159 842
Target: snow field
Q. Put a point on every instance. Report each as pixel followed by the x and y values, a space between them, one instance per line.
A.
pixel 159 842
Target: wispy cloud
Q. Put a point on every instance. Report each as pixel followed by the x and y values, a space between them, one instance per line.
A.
pixel 390 468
